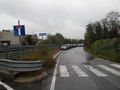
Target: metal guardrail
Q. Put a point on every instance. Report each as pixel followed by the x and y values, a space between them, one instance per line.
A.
pixel 20 66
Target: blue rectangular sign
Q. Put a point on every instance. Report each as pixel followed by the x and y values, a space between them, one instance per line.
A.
pixel 42 34
pixel 19 30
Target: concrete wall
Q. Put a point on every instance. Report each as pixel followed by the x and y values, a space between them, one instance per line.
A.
pixel 8 35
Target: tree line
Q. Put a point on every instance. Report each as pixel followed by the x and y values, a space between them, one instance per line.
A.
pixel 103 29
pixel 58 38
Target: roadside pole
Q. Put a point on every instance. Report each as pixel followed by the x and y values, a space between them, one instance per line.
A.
pixel 19 31
pixel 20 43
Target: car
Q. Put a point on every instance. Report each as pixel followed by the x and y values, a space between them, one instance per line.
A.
pixel 63 47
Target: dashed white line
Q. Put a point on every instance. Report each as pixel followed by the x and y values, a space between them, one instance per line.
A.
pixel 115 65
pixel 95 71
pixel 110 70
pixel 63 71
pixel 6 86
pixel 79 72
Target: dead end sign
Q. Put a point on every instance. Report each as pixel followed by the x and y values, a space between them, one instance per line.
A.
pixel 19 30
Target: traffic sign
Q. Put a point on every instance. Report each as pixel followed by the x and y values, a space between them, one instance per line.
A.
pixel 19 30
pixel 42 34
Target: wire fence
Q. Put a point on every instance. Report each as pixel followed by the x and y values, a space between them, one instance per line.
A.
pixel 8 52
pixel 109 48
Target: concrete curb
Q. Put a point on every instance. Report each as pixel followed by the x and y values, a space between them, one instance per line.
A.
pixel 31 79
pixel 7 74
pixel 57 54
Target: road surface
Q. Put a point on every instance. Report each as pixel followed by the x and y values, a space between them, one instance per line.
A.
pixel 76 70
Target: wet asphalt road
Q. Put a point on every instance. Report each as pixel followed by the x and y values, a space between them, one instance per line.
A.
pixel 68 78
pixel 77 57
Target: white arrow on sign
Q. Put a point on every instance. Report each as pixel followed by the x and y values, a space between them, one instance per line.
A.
pixel 19 31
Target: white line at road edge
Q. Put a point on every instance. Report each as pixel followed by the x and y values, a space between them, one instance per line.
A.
pixel 52 87
pixel 6 86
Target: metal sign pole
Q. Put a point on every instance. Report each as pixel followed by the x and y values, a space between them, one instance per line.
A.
pixel 20 43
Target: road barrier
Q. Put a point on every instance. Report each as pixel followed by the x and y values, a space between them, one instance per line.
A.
pixel 20 66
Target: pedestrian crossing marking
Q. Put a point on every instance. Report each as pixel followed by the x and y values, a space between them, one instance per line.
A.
pixel 110 70
pixel 115 65
pixel 63 71
pixel 79 72
pixel 95 71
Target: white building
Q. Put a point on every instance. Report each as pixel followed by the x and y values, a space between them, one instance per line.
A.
pixel 7 36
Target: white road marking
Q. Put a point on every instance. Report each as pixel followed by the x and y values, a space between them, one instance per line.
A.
pixel 63 71
pixel 6 86
pixel 79 72
pixel 52 87
pixel 115 65
pixel 110 70
pixel 95 71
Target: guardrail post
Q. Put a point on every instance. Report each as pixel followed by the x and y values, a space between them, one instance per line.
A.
pixel 6 51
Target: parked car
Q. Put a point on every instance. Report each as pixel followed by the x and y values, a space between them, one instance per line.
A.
pixel 63 47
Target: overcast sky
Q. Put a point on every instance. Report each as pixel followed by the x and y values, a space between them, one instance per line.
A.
pixel 68 17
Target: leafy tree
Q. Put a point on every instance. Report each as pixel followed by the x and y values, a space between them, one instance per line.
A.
pixel 54 39
pixel 106 28
pixel 113 19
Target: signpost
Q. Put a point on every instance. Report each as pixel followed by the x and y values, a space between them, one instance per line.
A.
pixel 42 34
pixel 19 30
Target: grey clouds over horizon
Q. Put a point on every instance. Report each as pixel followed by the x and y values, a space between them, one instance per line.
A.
pixel 68 17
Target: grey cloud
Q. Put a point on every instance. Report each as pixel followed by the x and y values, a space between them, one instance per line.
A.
pixel 66 16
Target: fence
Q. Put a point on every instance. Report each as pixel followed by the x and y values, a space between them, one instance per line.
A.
pixel 109 48
pixel 7 52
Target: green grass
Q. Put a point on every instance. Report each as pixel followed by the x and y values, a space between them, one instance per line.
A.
pixel 105 49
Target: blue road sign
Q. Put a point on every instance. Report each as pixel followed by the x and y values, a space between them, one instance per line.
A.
pixel 19 30
pixel 42 34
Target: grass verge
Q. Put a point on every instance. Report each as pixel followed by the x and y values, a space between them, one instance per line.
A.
pixel 44 54
pixel 105 54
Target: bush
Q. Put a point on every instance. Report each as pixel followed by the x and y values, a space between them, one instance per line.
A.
pixel 106 49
